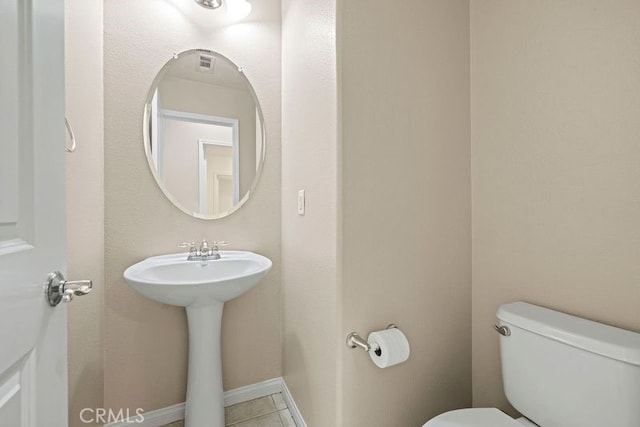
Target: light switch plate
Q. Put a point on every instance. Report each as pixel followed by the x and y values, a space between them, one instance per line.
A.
pixel 301 202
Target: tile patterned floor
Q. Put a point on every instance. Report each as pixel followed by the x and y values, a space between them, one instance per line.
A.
pixel 268 411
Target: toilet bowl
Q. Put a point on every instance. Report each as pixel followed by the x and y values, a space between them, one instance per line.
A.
pixel 560 370
pixel 477 417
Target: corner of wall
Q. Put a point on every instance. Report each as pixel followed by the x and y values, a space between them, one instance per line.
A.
pixel 85 202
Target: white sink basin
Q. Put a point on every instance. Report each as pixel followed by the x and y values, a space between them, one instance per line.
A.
pixel 171 279
pixel 202 287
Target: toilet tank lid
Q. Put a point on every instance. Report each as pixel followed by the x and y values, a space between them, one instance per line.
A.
pixel 605 340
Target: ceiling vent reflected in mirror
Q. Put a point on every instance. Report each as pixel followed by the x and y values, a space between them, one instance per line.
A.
pixel 210 4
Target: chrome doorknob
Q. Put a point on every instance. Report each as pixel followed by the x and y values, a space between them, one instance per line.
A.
pixel 59 289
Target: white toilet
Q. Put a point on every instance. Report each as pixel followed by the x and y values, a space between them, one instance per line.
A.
pixel 560 371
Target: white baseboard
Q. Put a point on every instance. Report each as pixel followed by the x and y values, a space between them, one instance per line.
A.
pixel 163 416
pixel 156 418
pixel 291 404
pixel 253 391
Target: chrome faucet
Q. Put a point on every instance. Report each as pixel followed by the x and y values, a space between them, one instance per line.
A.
pixel 204 253
pixel 193 250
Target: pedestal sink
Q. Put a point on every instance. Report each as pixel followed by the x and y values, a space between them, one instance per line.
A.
pixel 202 287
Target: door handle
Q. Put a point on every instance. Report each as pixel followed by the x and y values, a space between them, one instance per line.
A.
pixel 60 289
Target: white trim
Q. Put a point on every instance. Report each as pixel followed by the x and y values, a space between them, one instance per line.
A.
pixel 156 138
pixel 253 391
pixel 202 170
pixel 215 142
pixel 10 388
pixel 170 414
pixel 202 177
pixel 156 418
pixel 199 118
pixel 185 116
pixel 291 405
pixel 235 152
pixel 13 246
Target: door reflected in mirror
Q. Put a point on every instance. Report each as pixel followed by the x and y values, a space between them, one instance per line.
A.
pixel 204 135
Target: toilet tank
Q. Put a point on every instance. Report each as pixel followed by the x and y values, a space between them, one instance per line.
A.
pixel 564 371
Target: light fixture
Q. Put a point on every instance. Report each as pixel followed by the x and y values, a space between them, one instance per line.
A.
pixel 236 9
pixel 210 4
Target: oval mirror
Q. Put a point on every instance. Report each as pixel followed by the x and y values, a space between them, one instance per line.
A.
pixel 204 134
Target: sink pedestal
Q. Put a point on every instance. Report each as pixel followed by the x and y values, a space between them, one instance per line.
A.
pixel 202 287
pixel 205 399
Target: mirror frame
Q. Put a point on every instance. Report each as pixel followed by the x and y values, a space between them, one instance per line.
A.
pixel 146 140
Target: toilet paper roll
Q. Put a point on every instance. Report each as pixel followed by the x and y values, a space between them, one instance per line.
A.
pixel 388 347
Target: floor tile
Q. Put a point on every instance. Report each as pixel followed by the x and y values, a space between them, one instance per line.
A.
pixel 287 419
pixel 278 400
pixel 270 420
pixel 251 409
pixel 268 411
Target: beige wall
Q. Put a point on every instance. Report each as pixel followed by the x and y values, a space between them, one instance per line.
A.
pixel 310 243
pixel 555 149
pixel 146 342
pixel 407 230
pixel 85 202
pixel 555 213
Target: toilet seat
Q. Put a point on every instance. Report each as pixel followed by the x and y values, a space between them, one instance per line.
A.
pixel 473 417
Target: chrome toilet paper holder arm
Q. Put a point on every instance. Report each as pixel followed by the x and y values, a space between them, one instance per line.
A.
pixel 354 340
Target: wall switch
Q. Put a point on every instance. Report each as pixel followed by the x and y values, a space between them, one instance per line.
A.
pixel 301 202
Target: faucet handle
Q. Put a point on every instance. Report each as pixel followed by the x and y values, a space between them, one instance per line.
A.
pixel 216 245
pixel 191 245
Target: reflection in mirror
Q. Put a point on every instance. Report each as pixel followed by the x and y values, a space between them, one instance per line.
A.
pixel 204 136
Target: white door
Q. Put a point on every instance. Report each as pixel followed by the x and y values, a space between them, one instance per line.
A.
pixel 33 341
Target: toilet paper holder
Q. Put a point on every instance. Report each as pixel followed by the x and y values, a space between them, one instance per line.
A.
pixel 354 340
